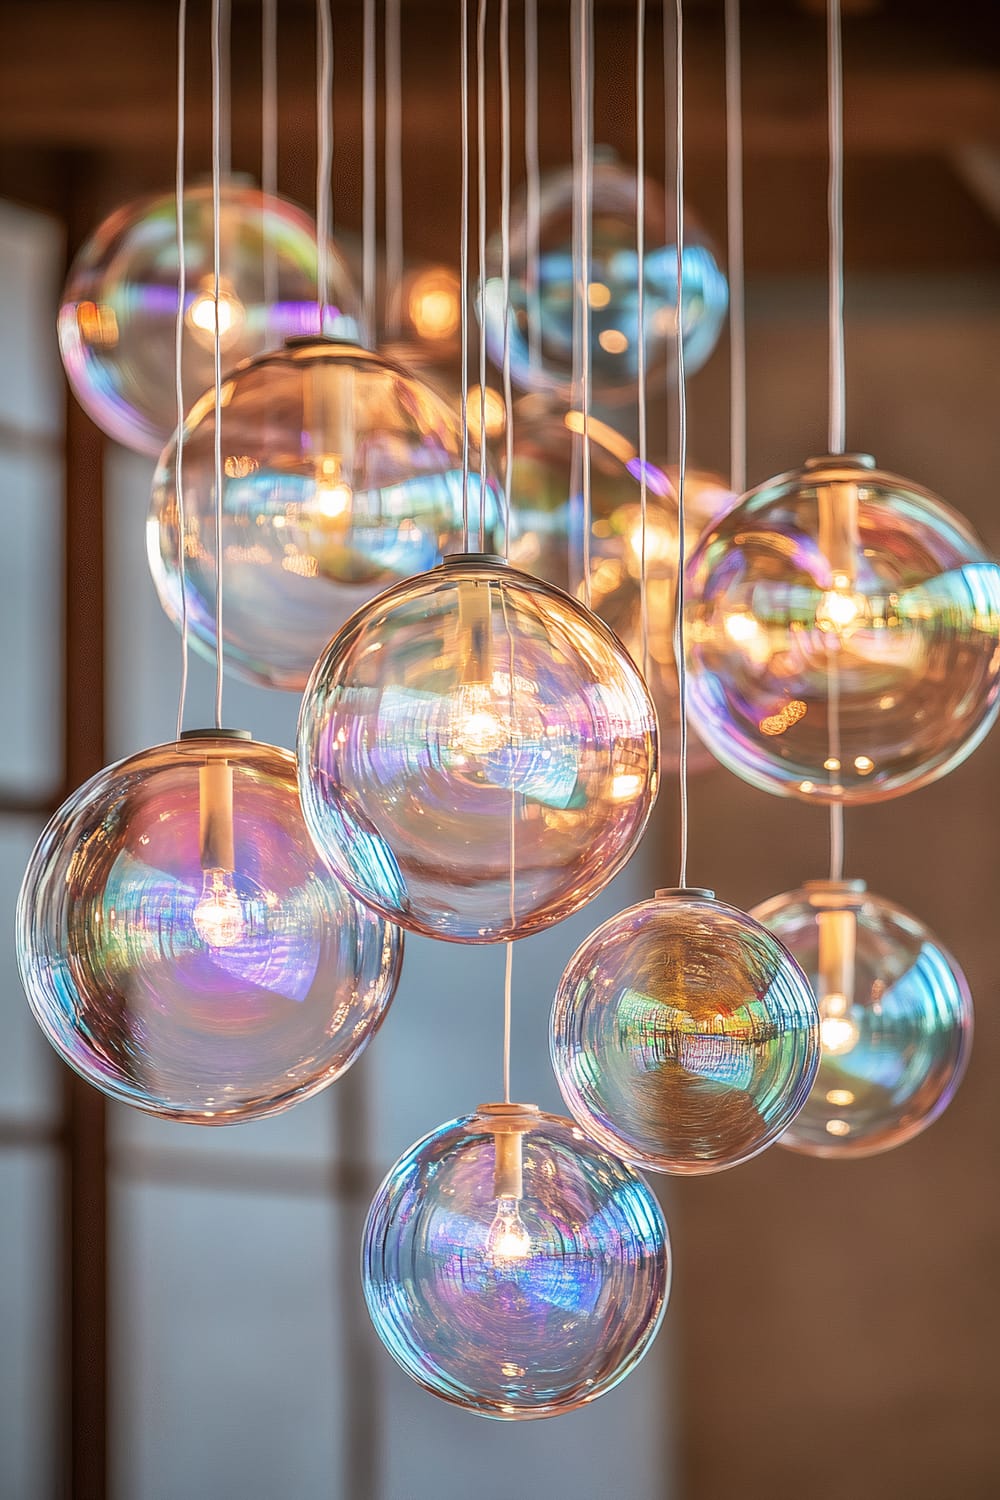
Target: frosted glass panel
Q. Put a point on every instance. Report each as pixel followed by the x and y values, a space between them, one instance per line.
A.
pixel 29 1070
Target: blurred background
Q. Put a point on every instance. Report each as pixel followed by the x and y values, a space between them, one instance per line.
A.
pixel 180 1309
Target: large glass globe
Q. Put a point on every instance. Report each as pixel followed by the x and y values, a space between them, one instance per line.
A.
pixel 342 475
pixel 843 635
pixel 548 535
pixel 184 948
pixel 542 299
pixel 119 306
pixel 895 1017
pixel 477 753
pixel 513 1267
pixel 685 1038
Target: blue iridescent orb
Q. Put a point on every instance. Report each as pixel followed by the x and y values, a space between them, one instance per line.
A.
pixel 895 1018
pixel 542 302
pixel 512 1266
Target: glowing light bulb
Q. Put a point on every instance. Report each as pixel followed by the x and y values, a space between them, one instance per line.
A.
pixel 838 1034
pixel 480 725
pixel 508 1240
pixel 840 610
pixel 218 917
pixel 434 304
pixel 741 626
pixel 334 496
pixel 201 315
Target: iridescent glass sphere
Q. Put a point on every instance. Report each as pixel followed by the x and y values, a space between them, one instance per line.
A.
pixel 477 753
pixel 685 1038
pixel 895 1017
pixel 119 307
pixel 843 635
pixel 542 298
pixel 514 1267
pixel 342 475
pixel 548 535
pixel 184 948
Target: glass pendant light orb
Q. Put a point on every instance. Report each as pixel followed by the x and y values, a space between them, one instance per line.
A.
pixel 685 1038
pixel 547 538
pixel 513 1267
pixel 182 945
pixel 895 1017
pixel 477 753
pixel 542 307
pixel 119 306
pixel 343 475
pixel 843 634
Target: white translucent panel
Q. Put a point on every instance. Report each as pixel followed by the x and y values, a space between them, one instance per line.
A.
pixel 29 1072
pixel 30 271
pixel 30 1301
pixel 31 562
pixel 302 1134
pixel 227 1344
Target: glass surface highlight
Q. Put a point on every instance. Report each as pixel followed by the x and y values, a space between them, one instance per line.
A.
pixel 119 307
pixel 182 945
pixel 477 753
pixel 896 1018
pixel 684 1037
pixel 542 306
pixel 343 475
pixel 513 1267
pixel 843 635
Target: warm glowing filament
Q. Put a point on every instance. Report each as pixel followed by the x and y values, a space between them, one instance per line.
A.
pixel 201 316
pixel 838 1033
pixel 840 610
pixel 218 917
pixel 508 1240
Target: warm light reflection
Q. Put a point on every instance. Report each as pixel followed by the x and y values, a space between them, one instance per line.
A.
pixel 218 916
pixel 433 304
pixel 793 711
pixel 612 341
pixel 741 627
pixel 840 610
pixel 598 295
pixel 486 411
pixel 201 316
pixel 838 1033
pixel 508 1240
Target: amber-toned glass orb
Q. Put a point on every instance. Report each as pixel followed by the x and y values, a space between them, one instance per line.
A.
pixel 685 1038
pixel 548 527
pixel 895 1017
pixel 843 635
pixel 477 753
pixel 343 475
pixel 119 307
pixel 184 948
pixel 542 303
pixel 513 1267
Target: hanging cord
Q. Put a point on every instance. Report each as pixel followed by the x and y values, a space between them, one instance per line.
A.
pixel 324 154
pixel 838 369
pixel 463 272
pixel 179 357
pixel 393 167
pixel 640 253
pixel 508 395
pixel 369 172
pixel 269 142
pixel 586 159
pixel 217 342
pixel 225 88
pixel 481 166
pixel 737 272
pixel 532 174
pixel 576 212
pixel 679 643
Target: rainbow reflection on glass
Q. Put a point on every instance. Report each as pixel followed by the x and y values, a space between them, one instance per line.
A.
pixel 182 945
pixel 513 1267
pixel 548 536
pixel 343 475
pixel 119 307
pixel 843 635
pixel 477 753
pixel 895 1017
pixel 543 300
pixel 684 1038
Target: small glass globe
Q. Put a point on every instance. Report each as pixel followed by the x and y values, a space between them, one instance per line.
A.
pixel 182 945
pixel 545 308
pixel 895 1018
pixel 843 632
pixel 513 1267
pixel 119 306
pixel 477 753
pixel 343 475
pixel 547 538
pixel 684 1038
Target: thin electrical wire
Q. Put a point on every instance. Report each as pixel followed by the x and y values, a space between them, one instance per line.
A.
pixel 737 271
pixel 532 184
pixel 508 983
pixel 838 369
pixel 269 141
pixel 179 355
pixel 225 87
pixel 393 165
pixel 217 341
pixel 508 395
pixel 481 166
pixel 369 172
pixel 586 159
pixel 324 154
pixel 640 253
pixel 576 377
pixel 679 644
pixel 463 270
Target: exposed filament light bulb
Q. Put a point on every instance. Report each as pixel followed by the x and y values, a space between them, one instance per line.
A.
pixel 837 942
pixel 508 1240
pixel 218 917
pixel 841 608
pixel 333 493
pixel 200 316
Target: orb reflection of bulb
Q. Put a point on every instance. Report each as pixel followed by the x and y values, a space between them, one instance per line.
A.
pixel 218 917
